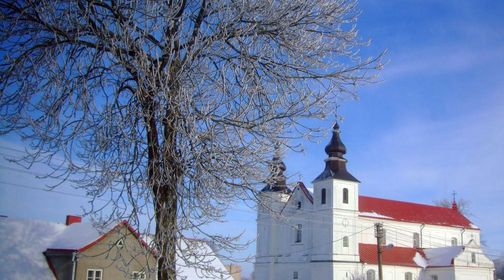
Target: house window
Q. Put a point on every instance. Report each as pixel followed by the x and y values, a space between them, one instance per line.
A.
pixel 434 277
pixel 370 275
pixel 323 196
pixel 473 257
pixel 416 240
pixel 295 275
pixel 299 236
pixel 345 241
pixel 94 274
pixel 299 205
pixel 345 195
pixel 138 275
pixel 408 276
pixel 454 241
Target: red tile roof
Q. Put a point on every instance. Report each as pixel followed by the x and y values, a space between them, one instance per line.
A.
pixel 400 256
pixel 411 212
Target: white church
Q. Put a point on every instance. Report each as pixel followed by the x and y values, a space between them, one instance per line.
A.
pixel 327 232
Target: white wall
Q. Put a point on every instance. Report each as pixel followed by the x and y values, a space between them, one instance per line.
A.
pixel 393 272
pixel 401 233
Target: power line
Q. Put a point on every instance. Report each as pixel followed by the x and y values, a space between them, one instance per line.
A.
pixel 10 184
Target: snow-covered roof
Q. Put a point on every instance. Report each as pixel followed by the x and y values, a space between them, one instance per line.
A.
pixel 23 242
pixel 75 237
pixel 199 262
pixel 442 256
pixel 373 215
pixel 407 256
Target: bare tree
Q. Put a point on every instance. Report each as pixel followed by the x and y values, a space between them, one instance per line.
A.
pixel 462 205
pixel 172 105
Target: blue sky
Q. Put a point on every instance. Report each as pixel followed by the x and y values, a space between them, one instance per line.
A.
pixel 433 123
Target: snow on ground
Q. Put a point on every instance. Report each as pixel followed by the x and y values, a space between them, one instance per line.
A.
pixel 21 247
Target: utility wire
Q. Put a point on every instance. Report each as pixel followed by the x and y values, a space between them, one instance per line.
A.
pixel 10 184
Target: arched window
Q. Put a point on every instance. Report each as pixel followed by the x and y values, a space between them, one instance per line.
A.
pixel 408 276
pixel 323 196
pixel 345 241
pixel 299 233
pixel 454 241
pixel 416 240
pixel 370 275
pixel 345 195
pixel 473 257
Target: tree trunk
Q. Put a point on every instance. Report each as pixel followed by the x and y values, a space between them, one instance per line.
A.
pixel 164 175
pixel 166 231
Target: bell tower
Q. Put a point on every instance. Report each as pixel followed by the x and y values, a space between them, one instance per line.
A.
pixel 336 206
pixel 272 199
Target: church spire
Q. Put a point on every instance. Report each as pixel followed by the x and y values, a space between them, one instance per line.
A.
pixel 335 163
pixel 454 201
pixel 277 182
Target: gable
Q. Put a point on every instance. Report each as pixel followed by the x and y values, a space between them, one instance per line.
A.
pixel 300 194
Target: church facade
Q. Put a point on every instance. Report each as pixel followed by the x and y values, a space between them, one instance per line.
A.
pixel 328 232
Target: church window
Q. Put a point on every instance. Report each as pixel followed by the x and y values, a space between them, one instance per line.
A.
pixel 299 236
pixel 299 205
pixel 345 195
pixel 473 257
pixel 408 276
pixel 295 275
pixel 416 240
pixel 370 275
pixel 454 241
pixel 345 241
pixel 323 197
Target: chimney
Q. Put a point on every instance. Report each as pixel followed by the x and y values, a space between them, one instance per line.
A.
pixel 70 219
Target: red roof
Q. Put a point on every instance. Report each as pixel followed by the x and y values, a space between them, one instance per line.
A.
pixel 411 212
pixel 400 256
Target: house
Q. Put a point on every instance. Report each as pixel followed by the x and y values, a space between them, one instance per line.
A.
pixel 75 250
pixel 234 271
pixel 83 252
pixel 328 231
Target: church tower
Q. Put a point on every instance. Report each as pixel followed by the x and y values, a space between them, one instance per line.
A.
pixel 335 252
pixel 272 199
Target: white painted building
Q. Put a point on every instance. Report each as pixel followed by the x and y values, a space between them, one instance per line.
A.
pixel 327 232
